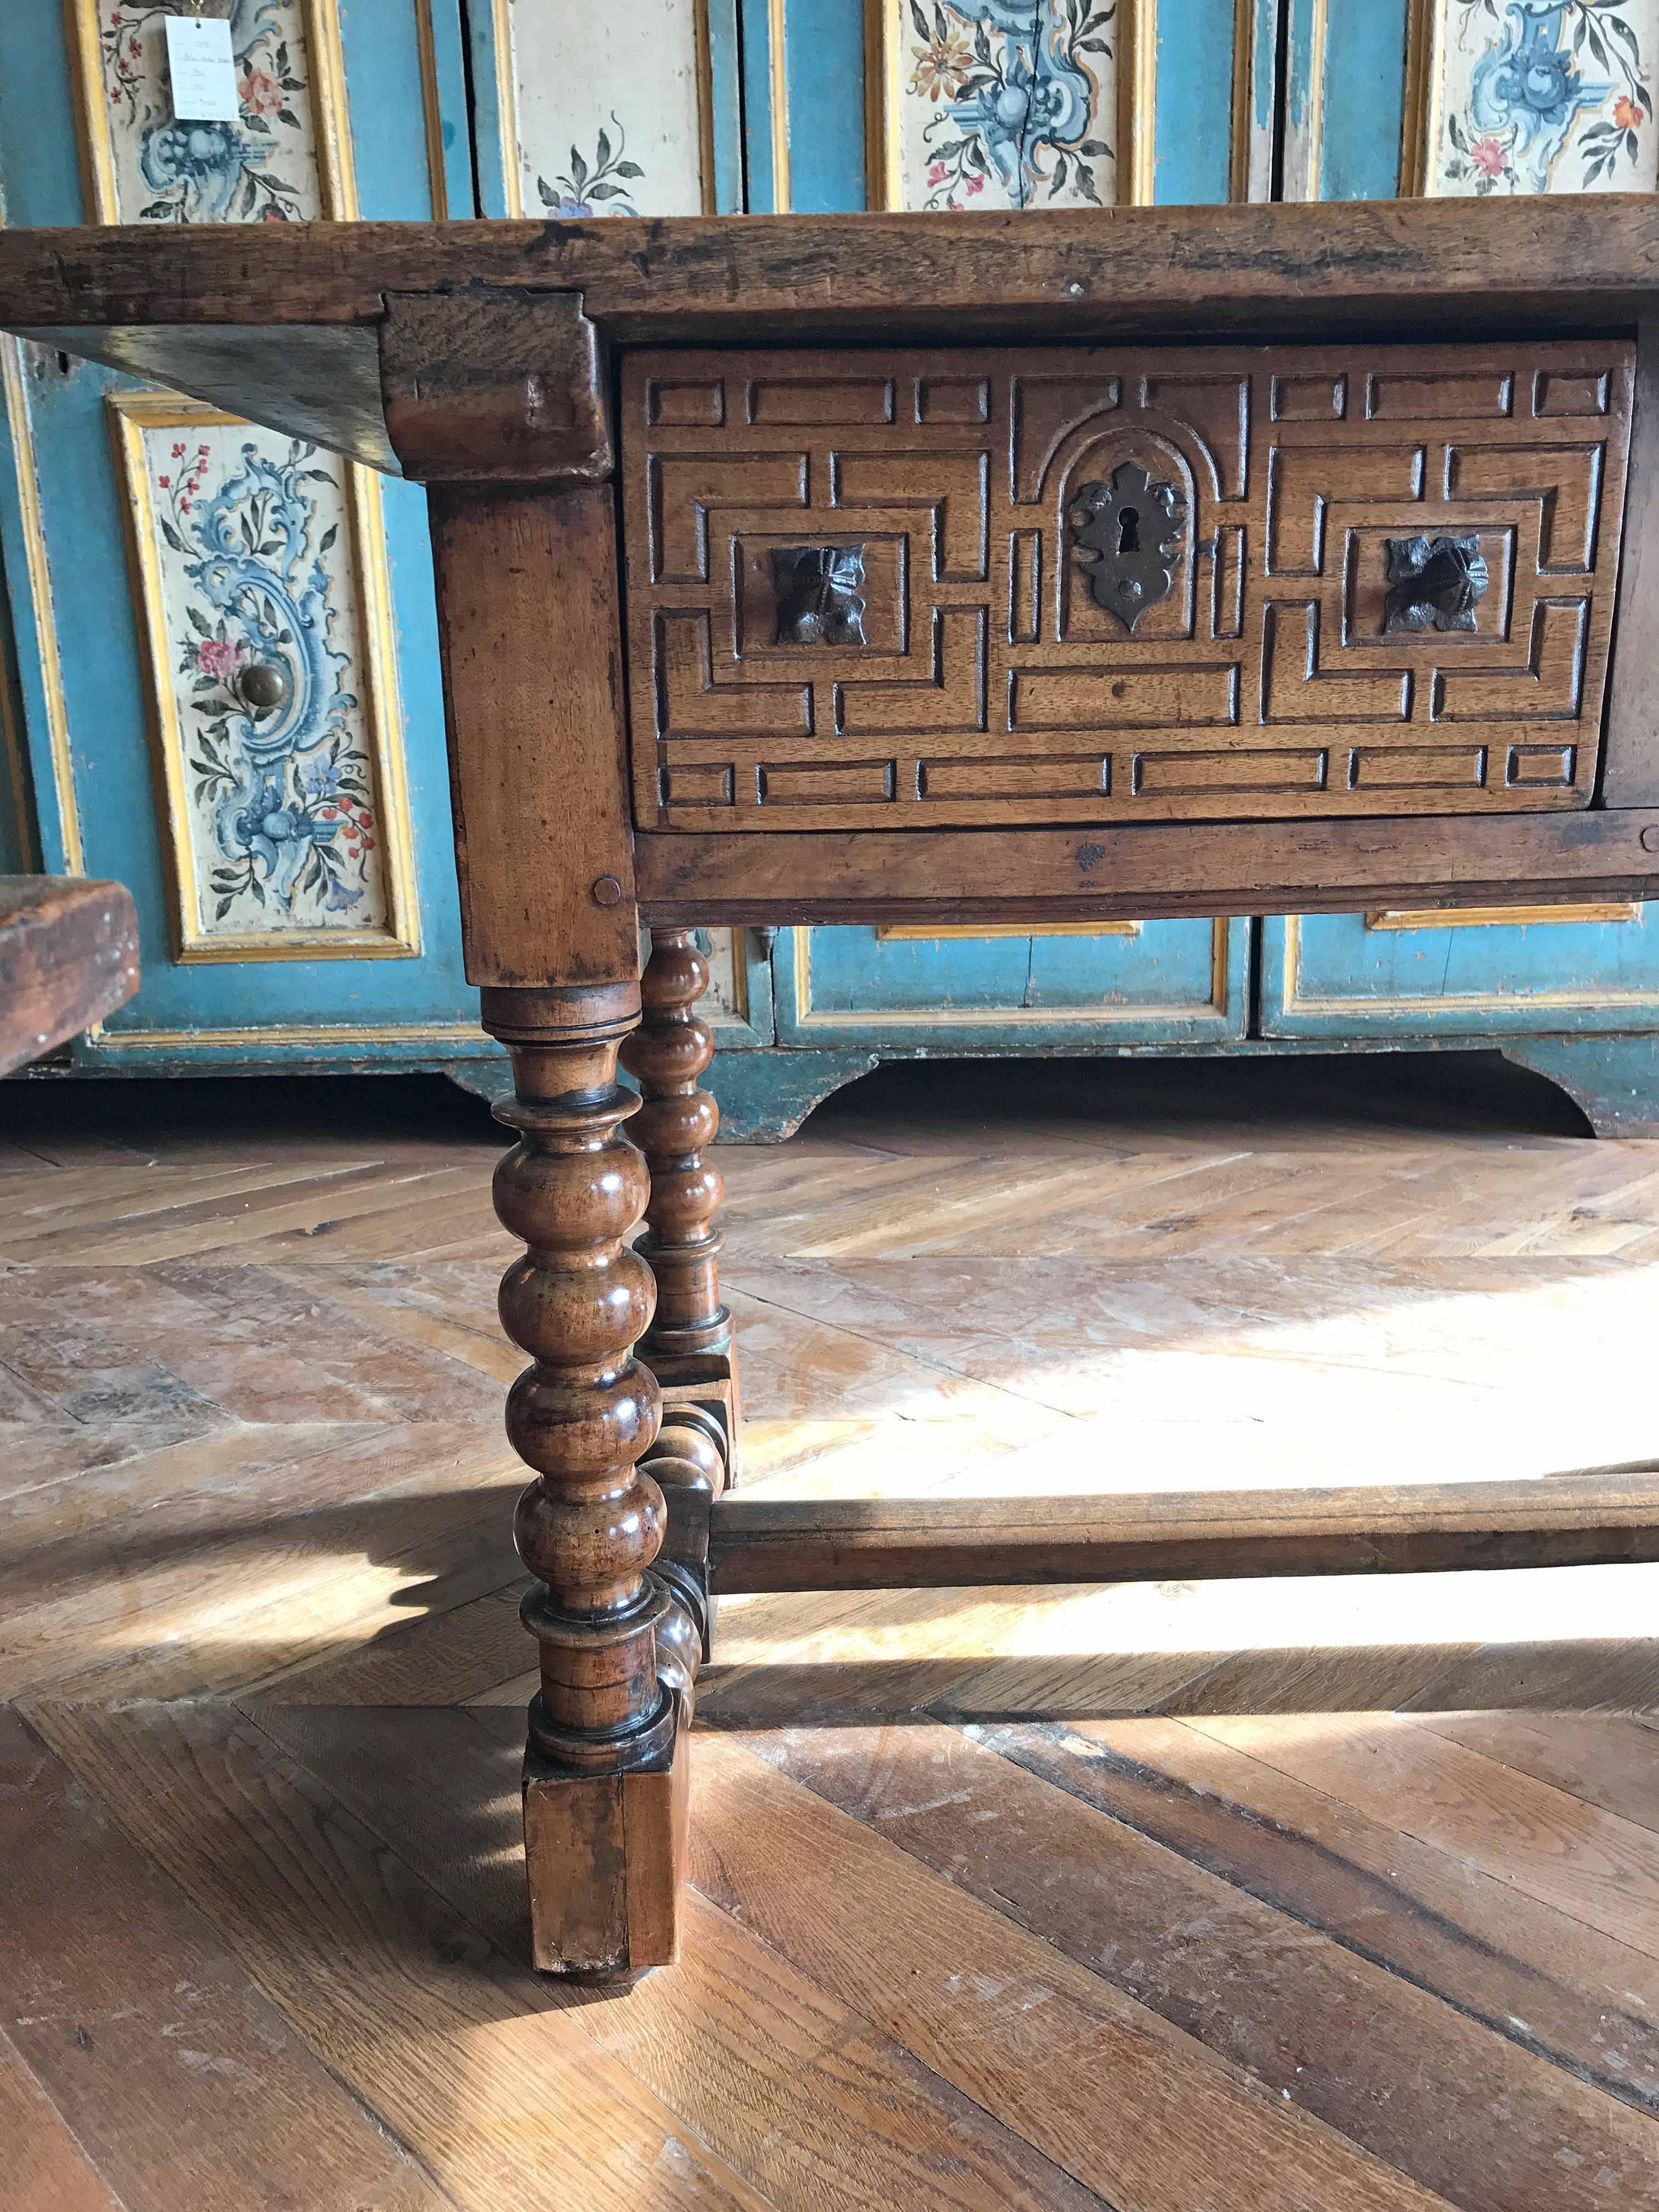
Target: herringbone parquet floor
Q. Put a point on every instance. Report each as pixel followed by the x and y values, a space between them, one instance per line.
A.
pixel 1243 1898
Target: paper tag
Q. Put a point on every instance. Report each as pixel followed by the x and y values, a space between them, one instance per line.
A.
pixel 203 69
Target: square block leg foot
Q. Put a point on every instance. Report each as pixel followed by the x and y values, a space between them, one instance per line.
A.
pixel 606 1857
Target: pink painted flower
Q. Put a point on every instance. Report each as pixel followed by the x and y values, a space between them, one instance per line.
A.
pixel 936 174
pixel 178 450
pixel 976 185
pixel 1489 156
pixel 261 91
pixel 164 481
pixel 219 656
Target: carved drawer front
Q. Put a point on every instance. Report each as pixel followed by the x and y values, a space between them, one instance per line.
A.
pixel 881 589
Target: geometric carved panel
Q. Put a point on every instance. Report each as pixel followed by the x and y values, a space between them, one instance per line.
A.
pixel 982 680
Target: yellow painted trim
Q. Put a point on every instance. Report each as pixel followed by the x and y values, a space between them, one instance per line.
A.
pixel 1136 102
pixel 1314 147
pixel 40 596
pixel 880 92
pixel 507 104
pixel 295 1033
pixel 1419 125
pixel 1244 116
pixel 889 935
pixel 131 414
pixel 1499 917
pixel 1013 1017
pixel 704 63
pixel 437 175
pixel 1292 1002
pixel 337 176
pixel 778 85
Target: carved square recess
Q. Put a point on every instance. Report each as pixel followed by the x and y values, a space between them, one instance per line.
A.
pixel 990 686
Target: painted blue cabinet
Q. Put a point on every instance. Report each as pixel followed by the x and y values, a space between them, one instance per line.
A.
pixel 1418 96
pixel 159 560
pixel 970 104
pixel 224 645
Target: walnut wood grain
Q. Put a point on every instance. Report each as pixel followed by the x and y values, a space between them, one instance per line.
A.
pixel 605 1782
pixel 689 1344
pixel 764 1544
pixel 1631 775
pixel 1115 872
pixel 1303 269
pixel 983 683
pixel 68 955
pixel 527 604
pixel 486 386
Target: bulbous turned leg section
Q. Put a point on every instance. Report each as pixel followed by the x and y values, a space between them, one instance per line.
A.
pixel 689 1344
pixel 605 1771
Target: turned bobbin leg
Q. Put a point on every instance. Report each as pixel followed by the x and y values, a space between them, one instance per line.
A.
pixel 605 1790
pixel 689 1344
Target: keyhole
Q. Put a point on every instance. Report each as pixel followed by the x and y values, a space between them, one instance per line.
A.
pixel 1129 531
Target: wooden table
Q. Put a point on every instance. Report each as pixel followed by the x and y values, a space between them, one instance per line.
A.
pixel 68 955
pixel 1057 567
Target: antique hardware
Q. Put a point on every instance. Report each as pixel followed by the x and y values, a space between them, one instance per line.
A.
pixel 1129 533
pixel 1438 580
pixel 993 685
pixel 262 686
pixel 819 594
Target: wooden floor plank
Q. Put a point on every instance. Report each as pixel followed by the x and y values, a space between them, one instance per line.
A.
pixel 1589 1865
pixel 1317 2023
pixel 1609 1760
pixel 486 2074
pixel 451 1657
pixel 251 1372
pixel 735 2036
pixel 47 2170
pixel 1576 1997
pixel 1145 2115
pixel 179 2080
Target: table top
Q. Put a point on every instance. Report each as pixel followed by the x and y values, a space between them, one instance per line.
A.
pixel 480 353
pixel 280 320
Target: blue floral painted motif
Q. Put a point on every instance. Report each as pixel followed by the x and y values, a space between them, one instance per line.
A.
pixel 1551 63
pixel 208 172
pixel 589 183
pixel 284 786
pixel 1011 80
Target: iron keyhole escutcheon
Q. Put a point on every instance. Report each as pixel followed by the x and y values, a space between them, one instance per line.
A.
pixel 1129 535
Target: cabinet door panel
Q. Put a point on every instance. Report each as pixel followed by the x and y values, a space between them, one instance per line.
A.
pixel 969 105
pixel 1467 98
pixel 631 108
pixel 1433 95
pixel 1583 969
pixel 1085 989
pixel 165 560
pixel 949 104
pixel 628 109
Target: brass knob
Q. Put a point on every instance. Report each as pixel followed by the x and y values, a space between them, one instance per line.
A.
pixel 263 686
